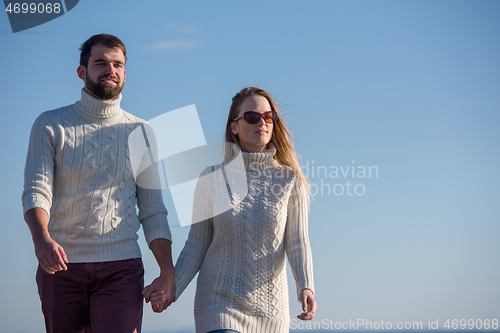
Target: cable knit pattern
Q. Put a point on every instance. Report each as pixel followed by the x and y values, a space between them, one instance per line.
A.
pixel 240 253
pixel 79 170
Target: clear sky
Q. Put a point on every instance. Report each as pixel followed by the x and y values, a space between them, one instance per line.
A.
pixel 409 88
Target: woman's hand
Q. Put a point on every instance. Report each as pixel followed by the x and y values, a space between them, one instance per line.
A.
pixel 161 292
pixel 157 299
pixel 308 305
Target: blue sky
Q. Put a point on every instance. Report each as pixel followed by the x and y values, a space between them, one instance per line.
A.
pixel 410 87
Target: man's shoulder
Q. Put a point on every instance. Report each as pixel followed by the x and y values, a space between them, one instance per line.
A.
pixel 137 122
pixel 132 117
pixel 56 115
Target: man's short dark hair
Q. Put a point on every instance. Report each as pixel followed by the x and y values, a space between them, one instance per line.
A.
pixel 104 39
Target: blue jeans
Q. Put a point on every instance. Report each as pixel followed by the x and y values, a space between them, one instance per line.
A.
pixel 224 331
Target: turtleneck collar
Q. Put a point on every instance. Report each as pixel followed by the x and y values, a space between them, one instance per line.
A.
pixel 98 108
pixel 255 161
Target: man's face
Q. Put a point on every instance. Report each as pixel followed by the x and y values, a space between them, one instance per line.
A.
pixel 105 73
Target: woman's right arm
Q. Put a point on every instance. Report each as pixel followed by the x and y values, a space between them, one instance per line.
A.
pixel 189 262
pixel 200 235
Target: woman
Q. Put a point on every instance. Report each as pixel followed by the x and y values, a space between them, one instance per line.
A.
pixel 247 225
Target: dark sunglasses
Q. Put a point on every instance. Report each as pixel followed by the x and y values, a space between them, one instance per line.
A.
pixel 253 117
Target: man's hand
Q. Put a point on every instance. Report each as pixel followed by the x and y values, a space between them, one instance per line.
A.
pixel 308 305
pixel 50 255
pixel 161 292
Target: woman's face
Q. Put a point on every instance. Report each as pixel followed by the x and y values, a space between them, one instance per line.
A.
pixel 253 137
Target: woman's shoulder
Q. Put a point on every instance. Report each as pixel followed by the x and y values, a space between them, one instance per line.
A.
pixel 210 171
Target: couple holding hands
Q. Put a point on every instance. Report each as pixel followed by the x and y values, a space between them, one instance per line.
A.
pixel 80 199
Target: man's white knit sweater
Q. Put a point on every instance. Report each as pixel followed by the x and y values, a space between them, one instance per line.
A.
pixel 240 253
pixel 79 170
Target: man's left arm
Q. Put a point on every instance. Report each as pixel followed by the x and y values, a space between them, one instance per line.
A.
pixel 165 283
pixel 153 217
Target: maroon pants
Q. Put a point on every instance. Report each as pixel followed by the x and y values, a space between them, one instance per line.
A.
pixel 102 297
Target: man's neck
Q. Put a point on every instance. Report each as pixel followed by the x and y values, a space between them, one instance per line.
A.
pixel 95 107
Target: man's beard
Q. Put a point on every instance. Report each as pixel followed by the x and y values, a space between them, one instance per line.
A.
pixel 103 90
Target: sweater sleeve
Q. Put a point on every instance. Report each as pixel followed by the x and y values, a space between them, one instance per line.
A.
pixel 152 211
pixel 297 245
pixel 39 168
pixel 153 214
pixel 200 236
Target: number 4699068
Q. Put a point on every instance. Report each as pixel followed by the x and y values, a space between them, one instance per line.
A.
pixel 33 8
pixel 471 324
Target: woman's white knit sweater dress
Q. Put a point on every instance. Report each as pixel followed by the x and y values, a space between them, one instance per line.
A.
pixel 240 244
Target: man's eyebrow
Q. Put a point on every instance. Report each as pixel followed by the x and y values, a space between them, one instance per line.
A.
pixel 106 60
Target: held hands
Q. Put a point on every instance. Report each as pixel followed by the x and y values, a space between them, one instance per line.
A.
pixel 50 255
pixel 308 305
pixel 161 292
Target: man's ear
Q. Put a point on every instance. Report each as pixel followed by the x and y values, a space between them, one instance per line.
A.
pixel 81 70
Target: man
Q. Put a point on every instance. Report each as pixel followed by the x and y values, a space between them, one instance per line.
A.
pixel 79 201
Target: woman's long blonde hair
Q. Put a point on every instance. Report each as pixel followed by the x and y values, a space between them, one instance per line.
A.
pixel 281 137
